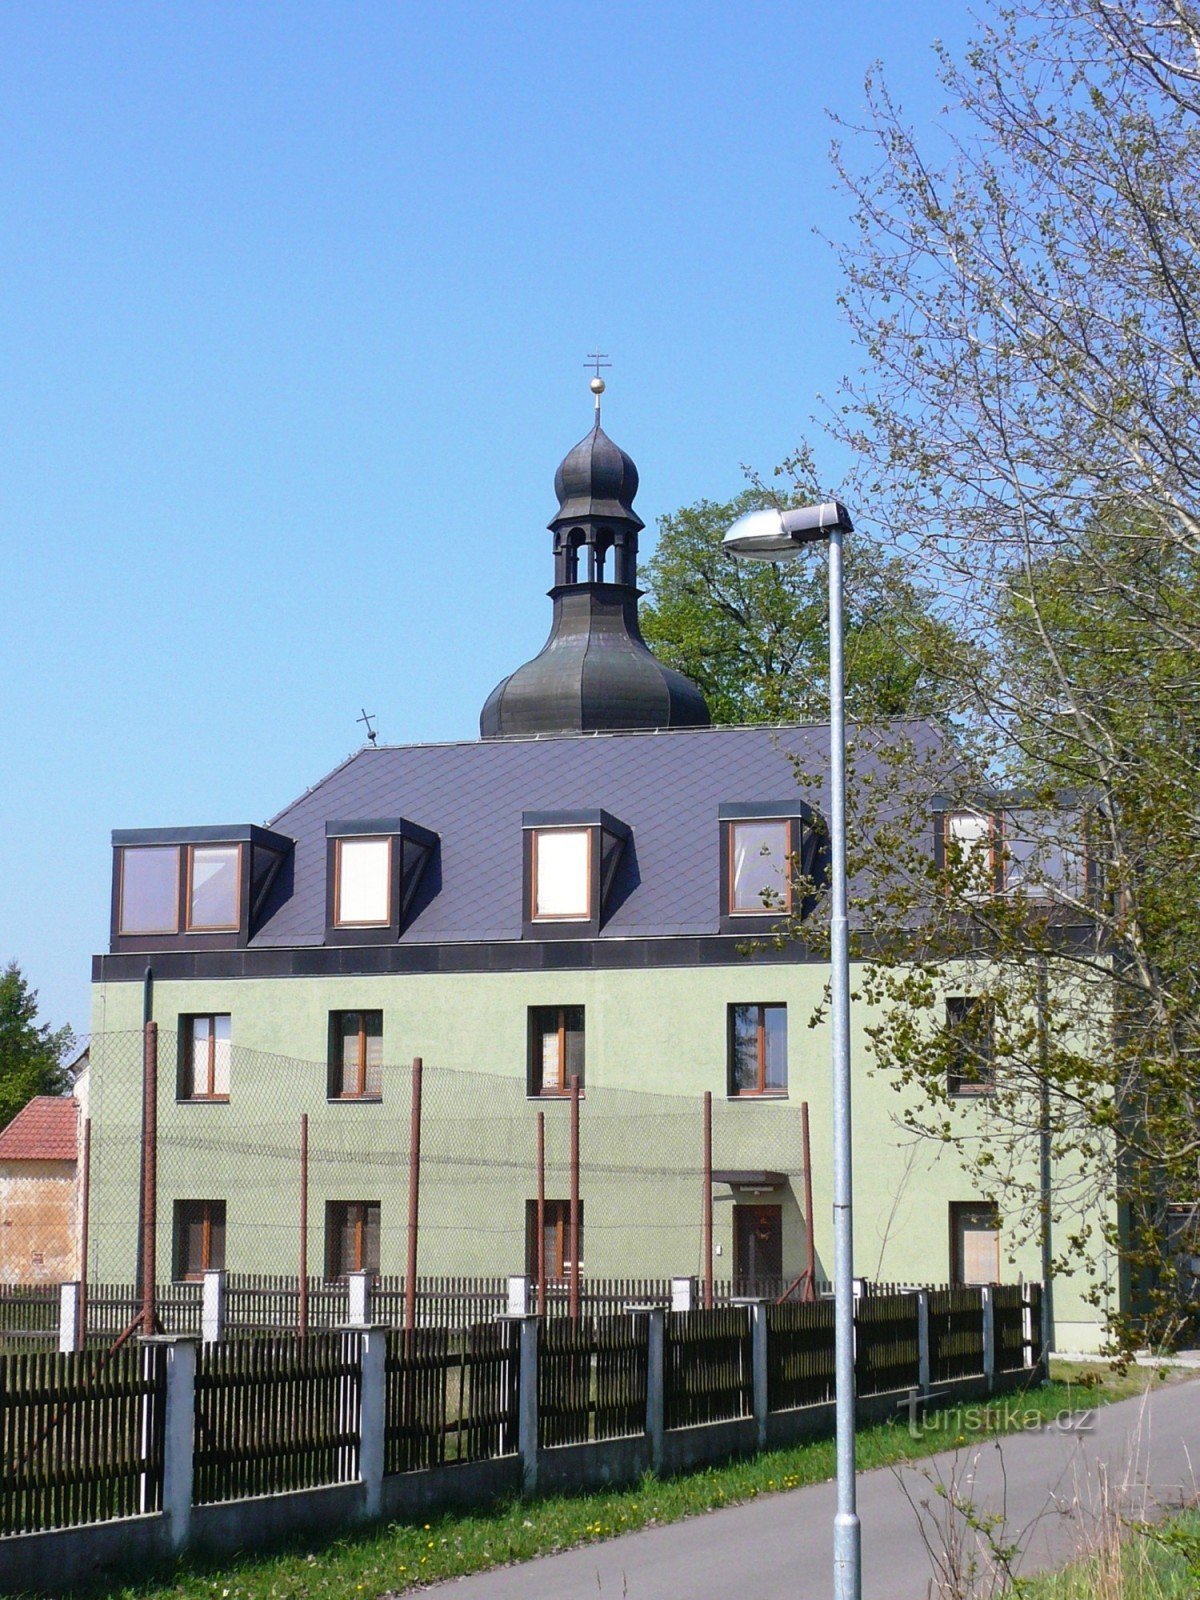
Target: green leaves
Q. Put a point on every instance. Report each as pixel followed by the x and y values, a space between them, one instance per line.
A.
pixel 31 1055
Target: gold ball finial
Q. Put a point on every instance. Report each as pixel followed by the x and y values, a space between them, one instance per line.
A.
pixel 597 385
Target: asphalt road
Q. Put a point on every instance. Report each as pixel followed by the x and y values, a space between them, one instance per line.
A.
pixel 778 1548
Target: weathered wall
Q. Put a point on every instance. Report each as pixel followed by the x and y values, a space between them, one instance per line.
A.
pixel 38 1222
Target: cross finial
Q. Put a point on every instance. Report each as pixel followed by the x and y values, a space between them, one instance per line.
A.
pixel 596 360
pixel 366 719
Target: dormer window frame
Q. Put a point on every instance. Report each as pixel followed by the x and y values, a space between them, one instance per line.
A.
pixel 260 856
pixel 410 849
pixel 607 837
pixel 805 857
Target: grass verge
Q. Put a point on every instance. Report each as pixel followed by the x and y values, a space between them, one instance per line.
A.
pixel 1162 1563
pixel 390 1559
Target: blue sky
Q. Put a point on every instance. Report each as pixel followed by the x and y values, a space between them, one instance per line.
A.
pixel 294 303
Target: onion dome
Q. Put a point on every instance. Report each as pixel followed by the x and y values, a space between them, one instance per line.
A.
pixel 595 672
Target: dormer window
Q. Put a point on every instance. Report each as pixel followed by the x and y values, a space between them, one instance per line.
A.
pixel 148 894
pixel 374 869
pixel 562 874
pixel 760 872
pixel 214 886
pixel 571 860
pixel 363 896
pixel 773 862
pixel 192 888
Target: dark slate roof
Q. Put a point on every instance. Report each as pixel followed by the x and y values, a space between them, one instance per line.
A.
pixel 666 786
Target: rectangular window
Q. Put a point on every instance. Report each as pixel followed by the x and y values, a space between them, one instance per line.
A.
pixel 758 1049
pixel 969 839
pixel 974 1244
pixel 206 1047
pixel 351 1237
pixel 355 1055
pixel 199 1242
pixel 562 874
pixel 1043 853
pixel 149 901
pixel 555 1048
pixel 556 1241
pixel 214 887
pixel 970 1033
pixel 363 892
pixel 760 868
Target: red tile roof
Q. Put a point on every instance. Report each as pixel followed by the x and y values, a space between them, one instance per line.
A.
pixel 44 1130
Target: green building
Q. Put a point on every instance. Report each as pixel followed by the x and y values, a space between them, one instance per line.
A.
pixel 587 891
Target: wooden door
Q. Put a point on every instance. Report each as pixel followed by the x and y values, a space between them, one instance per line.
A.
pixel 757 1246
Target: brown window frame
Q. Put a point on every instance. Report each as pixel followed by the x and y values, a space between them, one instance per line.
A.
pixel 558 1216
pixel 537 1086
pixel 188 1044
pixel 958 1210
pixel 586 915
pixel 995 845
pixel 208 1210
pixel 190 859
pixel 334 1210
pixel 960 1086
pixel 762 1092
pixel 337 1065
pixel 146 933
pixel 791 829
pixel 363 838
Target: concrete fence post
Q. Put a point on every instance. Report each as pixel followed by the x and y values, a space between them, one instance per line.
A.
pixel 683 1294
pixel 758 1367
pixel 358 1299
pixel 372 1417
pixel 656 1395
pixel 923 1366
pixel 518 1295
pixel 178 1430
pixel 212 1307
pixel 527 1404
pixel 989 1336
pixel 68 1317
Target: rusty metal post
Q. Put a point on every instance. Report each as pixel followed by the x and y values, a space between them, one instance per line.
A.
pixel 810 1255
pixel 85 1210
pixel 149 1173
pixel 573 1303
pixel 540 1256
pixel 706 1216
pixel 302 1308
pixel 414 1192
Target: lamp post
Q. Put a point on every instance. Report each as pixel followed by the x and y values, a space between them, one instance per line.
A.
pixel 771 535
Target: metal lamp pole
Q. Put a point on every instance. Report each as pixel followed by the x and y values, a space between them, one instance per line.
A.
pixel 773 536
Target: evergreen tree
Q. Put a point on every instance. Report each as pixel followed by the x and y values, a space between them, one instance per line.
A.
pixel 32 1054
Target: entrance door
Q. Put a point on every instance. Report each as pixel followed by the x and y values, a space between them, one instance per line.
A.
pixel 757 1247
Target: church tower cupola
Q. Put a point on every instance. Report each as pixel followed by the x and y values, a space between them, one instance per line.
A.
pixel 595 672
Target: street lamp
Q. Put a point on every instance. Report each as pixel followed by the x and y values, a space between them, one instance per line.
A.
pixel 772 535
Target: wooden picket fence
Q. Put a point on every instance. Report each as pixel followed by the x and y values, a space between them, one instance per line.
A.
pixel 707 1366
pixel 451 1396
pixel 886 1342
pixel 80 1437
pixel 801 1371
pixel 591 1379
pixel 955 1333
pixel 276 1413
pixel 28 1314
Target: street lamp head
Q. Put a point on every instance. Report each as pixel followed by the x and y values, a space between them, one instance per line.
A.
pixel 773 535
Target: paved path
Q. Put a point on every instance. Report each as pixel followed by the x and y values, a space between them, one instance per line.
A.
pixel 778 1547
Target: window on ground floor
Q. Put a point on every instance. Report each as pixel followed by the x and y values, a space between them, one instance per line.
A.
pixel 974 1243
pixel 556 1237
pixel 351 1237
pixel 199 1237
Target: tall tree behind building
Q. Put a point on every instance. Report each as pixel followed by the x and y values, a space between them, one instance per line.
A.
pixel 32 1054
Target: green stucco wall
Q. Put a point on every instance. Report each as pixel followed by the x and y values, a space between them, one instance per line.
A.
pixel 655 1041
